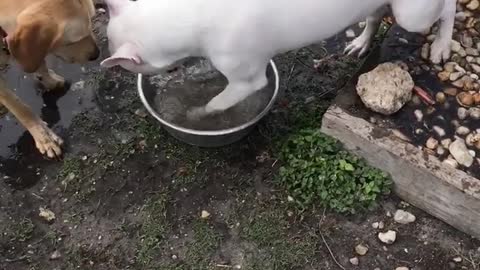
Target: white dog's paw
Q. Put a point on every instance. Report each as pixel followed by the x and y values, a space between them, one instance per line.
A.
pixel 358 46
pixel 440 51
pixel 196 113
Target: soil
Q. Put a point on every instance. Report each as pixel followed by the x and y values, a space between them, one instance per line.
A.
pixel 128 196
pixel 194 84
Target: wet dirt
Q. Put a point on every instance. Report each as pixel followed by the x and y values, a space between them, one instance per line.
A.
pixel 129 196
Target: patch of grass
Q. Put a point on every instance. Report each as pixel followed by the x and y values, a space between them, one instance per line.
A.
pixel 152 132
pixel 317 170
pixel 269 230
pixel 153 230
pixel 205 242
pixel 22 231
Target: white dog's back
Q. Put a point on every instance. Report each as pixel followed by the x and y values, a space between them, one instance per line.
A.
pixel 240 37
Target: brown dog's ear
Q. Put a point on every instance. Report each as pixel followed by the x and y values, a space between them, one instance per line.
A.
pixel 34 36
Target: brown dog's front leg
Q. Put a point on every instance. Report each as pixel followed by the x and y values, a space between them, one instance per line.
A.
pixel 48 78
pixel 47 142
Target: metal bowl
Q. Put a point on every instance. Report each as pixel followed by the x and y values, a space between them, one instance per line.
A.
pixel 215 138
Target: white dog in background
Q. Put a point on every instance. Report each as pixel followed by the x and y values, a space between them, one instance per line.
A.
pixel 241 36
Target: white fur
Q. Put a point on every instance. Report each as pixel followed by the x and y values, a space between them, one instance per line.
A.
pixel 240 37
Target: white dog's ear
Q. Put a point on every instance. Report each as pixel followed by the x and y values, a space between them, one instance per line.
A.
pixel 125 55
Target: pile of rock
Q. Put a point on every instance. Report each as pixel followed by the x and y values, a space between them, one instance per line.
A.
pixel 462 74
pixel 463 70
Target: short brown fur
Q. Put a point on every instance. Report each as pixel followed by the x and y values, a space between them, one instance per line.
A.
pixel 36 28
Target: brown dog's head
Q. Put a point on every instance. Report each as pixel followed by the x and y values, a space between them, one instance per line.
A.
pixel 61 27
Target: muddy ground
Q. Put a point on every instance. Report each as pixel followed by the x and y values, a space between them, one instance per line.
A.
pixel 128 196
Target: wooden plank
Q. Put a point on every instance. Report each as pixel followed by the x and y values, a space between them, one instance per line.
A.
pixel 420 179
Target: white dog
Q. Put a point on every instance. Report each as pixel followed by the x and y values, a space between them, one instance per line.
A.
pixel 241 36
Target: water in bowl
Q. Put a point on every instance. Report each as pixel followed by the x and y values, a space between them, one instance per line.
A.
pixel 195 83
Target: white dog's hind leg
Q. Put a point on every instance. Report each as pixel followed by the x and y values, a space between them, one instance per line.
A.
pixel 244 79
pixel 441 46
pixel 362 43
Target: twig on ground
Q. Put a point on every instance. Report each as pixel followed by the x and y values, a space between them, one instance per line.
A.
pixel 21 258
pixel 325 241
pixel 331 253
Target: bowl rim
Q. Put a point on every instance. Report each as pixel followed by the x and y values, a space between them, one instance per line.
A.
pixel 212 132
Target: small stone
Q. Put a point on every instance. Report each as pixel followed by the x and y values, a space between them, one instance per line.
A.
pixel 450 66
pixel 402 268
pixel 441 151
pixel 456 46
pixel 455 76
pixel 450 162
pixel 462 131
pixel 403 217
pixel 443 76
pixel 467 40
pixel 476 98
pixel 55 255
pixel 418 115
pixel 460 69
pixel 465 99
pixel 205 214
pixel 458 83
pixel 432 143
pixel 476 68
pixel 462 113
pixel 451 91
pixel 470 139
pixel 378 225
pixel 471 51
pixel 354 261
pixel 440 131
pixel 474 113
pixel 46 214
pixel 350 33
pixel 461 16
pixel 473 5
pixel 141 113
pixel 457 259
pixel 361 249
pixel 425 51
pixel 388 237
pixel 460 153
pixel 440 97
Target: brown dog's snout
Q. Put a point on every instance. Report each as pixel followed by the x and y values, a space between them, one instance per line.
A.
pixel 94 56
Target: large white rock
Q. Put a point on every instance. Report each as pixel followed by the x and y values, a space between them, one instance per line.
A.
pixel 385 89
pixel 460 153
